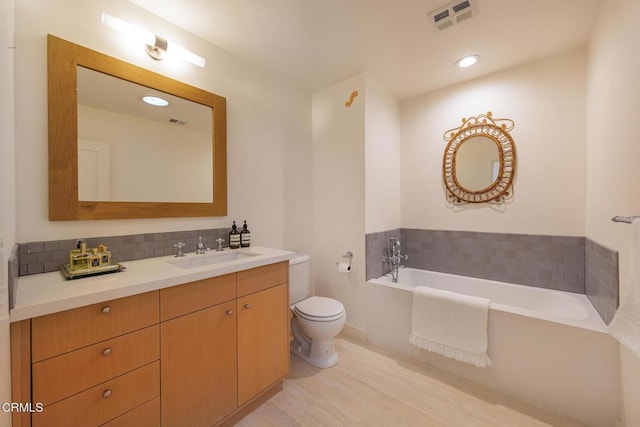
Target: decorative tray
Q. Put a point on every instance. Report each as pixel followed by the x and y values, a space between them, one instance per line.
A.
pixel 94 271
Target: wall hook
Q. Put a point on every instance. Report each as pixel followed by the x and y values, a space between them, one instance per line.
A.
pixel 350 101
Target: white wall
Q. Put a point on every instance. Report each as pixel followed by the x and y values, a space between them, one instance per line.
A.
pixel 546 99
pixel 268 127
pixel 356 183
pixel 613 152
pixel 7 190
pixel 338 194
pixel 382 158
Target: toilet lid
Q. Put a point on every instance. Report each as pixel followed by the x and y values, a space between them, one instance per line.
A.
pixel 320 308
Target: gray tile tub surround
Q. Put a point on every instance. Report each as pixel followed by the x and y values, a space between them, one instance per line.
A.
pixel 44 257
pixel 376 248
pixel 551 262
pixel 573 264
pixel 602 279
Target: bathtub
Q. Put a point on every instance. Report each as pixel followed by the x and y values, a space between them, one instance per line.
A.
pixel 548 348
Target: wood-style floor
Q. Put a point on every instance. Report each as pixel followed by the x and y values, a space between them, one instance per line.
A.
pixel 371 387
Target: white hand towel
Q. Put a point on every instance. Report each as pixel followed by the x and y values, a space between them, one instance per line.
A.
pixel 625 326
pixel 451 324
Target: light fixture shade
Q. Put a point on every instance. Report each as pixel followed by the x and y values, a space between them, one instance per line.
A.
pixel 156 46
pixel 186 55
pixel 129 30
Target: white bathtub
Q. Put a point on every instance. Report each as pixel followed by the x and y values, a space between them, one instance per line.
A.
pixel 548 348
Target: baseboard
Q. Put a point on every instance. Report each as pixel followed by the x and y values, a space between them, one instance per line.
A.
pixel 354 333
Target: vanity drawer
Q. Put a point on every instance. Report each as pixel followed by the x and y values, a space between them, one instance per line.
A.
pixel 62 376
pixel 180 300
pixel 103 402
pixel 259 278
pixel 58 333
pixel 147 415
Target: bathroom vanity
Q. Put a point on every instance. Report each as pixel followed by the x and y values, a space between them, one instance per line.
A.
pixel 196 341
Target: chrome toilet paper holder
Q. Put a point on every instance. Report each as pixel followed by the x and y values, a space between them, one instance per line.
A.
pixel 349 256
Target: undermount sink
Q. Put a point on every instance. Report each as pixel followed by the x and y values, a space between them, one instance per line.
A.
pixel 193 261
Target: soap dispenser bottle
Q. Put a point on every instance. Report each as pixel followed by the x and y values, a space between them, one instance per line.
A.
pixel 245 236
pixel 234 237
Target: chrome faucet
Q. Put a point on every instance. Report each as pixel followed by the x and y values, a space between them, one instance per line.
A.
pixel 394 257
pixel 179 245
pixel 219 240
pixel 200 249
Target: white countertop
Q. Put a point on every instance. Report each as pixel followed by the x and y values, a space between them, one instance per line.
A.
pixel 48 293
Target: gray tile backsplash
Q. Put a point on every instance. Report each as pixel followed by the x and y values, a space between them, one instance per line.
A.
pixel 573 264
pixel 44 257
pixel 602 279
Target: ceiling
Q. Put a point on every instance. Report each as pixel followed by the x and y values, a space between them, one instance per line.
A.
pixel 319 43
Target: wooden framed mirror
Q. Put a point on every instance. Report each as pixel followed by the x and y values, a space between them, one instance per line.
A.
pixel 479 161
pixel 168 172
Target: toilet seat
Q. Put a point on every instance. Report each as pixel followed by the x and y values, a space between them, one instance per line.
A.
pixel 319 309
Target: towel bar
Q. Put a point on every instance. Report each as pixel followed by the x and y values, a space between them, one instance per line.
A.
pixel 627 219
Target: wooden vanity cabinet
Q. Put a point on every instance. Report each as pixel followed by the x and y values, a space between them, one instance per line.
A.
pixel 199 354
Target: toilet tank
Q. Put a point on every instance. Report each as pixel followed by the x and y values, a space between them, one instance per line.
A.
pixel 299 278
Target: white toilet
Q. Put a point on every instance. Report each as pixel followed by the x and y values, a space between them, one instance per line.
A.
pixel 316 320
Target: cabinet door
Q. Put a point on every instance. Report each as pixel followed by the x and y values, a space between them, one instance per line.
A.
pixel 198 353
pixel 263 345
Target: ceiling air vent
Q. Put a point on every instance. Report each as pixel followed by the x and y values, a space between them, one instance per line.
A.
pixel 452 13
pixel 177 121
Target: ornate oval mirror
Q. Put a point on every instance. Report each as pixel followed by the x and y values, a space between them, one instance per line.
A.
pixel 479 161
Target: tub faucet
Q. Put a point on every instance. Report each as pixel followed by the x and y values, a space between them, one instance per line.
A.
pixel 394 257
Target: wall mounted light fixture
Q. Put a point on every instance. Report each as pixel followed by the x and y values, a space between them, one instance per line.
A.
pixel 157 47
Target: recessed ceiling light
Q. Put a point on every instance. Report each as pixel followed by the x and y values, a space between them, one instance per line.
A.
pixel 155 101
pixel 467 61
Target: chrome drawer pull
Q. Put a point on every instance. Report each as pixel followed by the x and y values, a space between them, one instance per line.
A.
pixel 106 351
pixel 247 306
pixel 229 312
pixel 107 393
pixel 106 309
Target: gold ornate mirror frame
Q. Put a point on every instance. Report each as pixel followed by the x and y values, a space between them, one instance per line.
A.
pixel 497 130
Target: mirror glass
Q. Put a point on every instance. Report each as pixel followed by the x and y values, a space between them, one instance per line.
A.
pixel 477 163
pixel 113 157
pixel 131 151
